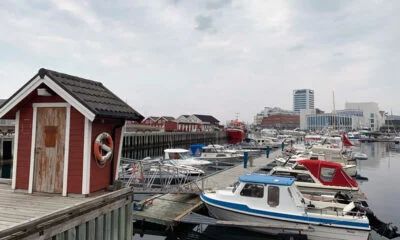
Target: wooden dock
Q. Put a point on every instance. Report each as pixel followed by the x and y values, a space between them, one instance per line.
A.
pixel 138 145
pixel 169 209
pixel 105 215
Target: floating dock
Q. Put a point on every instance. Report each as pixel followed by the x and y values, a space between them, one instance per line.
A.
pixel 169 209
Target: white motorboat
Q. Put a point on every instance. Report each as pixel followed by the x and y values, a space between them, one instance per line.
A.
pixel 183 157
pixel 264 199
pixel 350 169
pixel 320 177
pixel 216 152
pixel 359 156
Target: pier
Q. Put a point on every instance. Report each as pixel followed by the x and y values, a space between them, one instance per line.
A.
pixel 138 145
pixel 170 209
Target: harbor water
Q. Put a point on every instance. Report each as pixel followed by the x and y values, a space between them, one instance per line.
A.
pixel 382 168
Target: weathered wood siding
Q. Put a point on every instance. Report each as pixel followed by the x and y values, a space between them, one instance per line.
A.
pixel 100 175
pixel 49 149
pixel 75 164
pixel 25 135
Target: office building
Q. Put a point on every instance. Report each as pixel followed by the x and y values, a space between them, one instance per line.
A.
pixel 303 99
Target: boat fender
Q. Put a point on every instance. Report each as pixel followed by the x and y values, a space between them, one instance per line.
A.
pixel 103 144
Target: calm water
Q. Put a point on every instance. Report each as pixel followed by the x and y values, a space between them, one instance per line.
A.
pixel 382 189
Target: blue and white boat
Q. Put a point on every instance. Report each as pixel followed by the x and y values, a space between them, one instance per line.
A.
pixel 259 198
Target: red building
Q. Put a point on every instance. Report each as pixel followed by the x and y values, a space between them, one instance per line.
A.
pixel 281 121
pixel 159 122
pixel 67 134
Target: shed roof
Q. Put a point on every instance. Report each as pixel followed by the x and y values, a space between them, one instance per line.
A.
pixel 206 118
pixel 92 95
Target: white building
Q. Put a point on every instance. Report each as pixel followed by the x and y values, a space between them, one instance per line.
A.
pixel 303 99
pixel 355 116
pixel 373 118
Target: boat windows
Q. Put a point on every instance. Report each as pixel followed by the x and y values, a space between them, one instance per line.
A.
pixel 327 174
pixel 253 190
pixel 304 178
pixel 273 196
pixel 235 186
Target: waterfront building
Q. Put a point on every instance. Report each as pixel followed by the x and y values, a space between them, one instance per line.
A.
pixel 281 121
pixel 354 116
pixel 269 111
pixel 61 124
pixel 303 99
pixel 163 122
pixel 197 123
pixel 392 124
pixel 373 118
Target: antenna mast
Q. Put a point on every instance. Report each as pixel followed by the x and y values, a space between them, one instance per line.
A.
pixel 334 110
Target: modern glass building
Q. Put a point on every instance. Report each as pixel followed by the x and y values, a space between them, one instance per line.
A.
pixel 329 121
pixel 303 99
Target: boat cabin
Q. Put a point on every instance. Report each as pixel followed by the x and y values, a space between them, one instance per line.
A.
pixel 176 154
pixel 329 173
pixel 68 134
pixel 279 193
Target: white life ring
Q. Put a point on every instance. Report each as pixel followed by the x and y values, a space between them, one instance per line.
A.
pixel 103 144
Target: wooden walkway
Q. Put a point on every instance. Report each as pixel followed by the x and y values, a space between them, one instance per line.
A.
pixel 42 216
pixel 168 209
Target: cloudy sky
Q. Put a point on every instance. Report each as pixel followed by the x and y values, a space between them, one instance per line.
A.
pixel 217 57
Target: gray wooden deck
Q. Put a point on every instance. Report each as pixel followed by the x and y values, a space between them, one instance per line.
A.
pixel 16 208
pixel 168 209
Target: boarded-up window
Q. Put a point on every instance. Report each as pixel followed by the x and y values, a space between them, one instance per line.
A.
pixel 273 196
pixel 50 136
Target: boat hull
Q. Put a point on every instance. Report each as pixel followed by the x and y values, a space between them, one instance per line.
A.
pixel 317 232
pixel 235 135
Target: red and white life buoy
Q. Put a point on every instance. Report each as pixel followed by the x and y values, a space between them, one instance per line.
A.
pixel 103 147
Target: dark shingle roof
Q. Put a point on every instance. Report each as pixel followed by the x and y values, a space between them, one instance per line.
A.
pixel 93 95
pixel 169 118
pixel 206 118
pixel 2 101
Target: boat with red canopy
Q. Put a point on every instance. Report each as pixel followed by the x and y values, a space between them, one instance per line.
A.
pixel 321 177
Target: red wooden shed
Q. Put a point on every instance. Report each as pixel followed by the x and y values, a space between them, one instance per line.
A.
pixel 67 134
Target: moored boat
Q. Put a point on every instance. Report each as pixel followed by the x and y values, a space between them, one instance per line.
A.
pixel 258 198
pixel 276 200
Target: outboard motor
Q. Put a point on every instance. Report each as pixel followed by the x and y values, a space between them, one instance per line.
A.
pixel 384 229
pixel 344 198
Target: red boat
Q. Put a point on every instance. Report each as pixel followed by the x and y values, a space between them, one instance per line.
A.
pixel 236 132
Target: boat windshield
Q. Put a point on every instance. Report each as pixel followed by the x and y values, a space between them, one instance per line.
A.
pixel 181 155
pixel 235 186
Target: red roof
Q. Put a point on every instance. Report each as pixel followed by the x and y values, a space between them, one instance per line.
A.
pixel 340 178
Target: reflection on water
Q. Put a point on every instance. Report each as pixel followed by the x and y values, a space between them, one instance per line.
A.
pixel 383 172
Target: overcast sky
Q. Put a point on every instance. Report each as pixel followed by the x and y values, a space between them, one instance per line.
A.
pixel 216 57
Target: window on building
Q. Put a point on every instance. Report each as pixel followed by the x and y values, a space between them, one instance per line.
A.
pixel 273 196
pixel 327 174
pixel 253 190
pixel 372 115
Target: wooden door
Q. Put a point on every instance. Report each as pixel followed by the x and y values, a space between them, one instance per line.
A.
pixel 49 149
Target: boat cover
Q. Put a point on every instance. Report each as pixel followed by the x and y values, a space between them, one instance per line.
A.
pixel 340 178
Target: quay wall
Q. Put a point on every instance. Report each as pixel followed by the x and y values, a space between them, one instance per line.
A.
pixel 138 145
